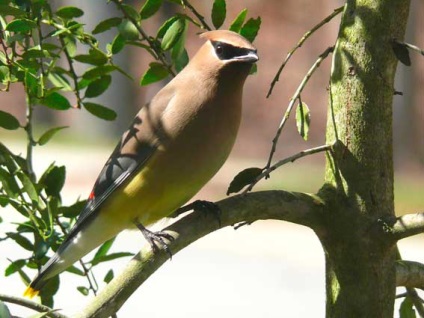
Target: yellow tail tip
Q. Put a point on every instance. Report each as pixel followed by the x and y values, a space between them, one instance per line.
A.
pixel 30 292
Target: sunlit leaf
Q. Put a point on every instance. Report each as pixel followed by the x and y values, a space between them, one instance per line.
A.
pixel 406 309
pixel 128 30
pixel 14 267
pixel 107 24
pixel 238 21
pixel 149 8
pixel 83 290
pixel 173 34
pixel 118 44
pixel 104 248
pixel 45 137
pixel 251 28
pixel 109 276
pixel 110 257
pixel 303 120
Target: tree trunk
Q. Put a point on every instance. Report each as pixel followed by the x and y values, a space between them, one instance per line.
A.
pixel 360 270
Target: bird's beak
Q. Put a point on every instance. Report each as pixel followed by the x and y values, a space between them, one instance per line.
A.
pixel 250 57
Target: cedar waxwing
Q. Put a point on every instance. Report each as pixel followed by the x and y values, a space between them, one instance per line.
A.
pixel 176 144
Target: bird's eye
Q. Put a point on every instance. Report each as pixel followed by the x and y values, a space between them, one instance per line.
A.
pixel 219 49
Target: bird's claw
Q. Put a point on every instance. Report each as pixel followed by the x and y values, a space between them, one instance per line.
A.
pixel 156 237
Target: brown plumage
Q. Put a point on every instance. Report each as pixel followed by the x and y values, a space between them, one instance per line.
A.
pixel 175 145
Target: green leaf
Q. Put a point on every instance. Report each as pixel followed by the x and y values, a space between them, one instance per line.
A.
pixel 69 12
pixel 109 276
pixel 303 120
pixel 155 73
pixel 28 186
pixel 238 21
pixel 53 180
pixel 181 61
pixel 100 111
pixel 43 314
pixel 251 28
pixel 4 201
pixel 14 267
pixel 70 45
pixel 98 71
pixel 56 101
pixel 75 270
pixel 58 80
pixel 21 240
pixel 49 289
pixel 173 34
pixel 98 86
pixel 110 257
pixel 45 138
pixel 149 8
pixel 406 309
pixel 118 44
pixel 219 12
pixel 102 251
pixel 95 57
pixel 8 121
pixel 83 290
pixel 21 25
pixel 243 179
pixel 4 311
pixel 402 53
pixel 9 184
pixel 106 25
pixel 4 74
pixel 131 12
pixel 73 210
pixel 6 10
pixel 128 30
pixel 165 26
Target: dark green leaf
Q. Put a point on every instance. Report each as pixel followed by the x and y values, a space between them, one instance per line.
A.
pixel 238 21
pixel 9 184
pixel 73 210
pixel 35 54
pixel 402 53
pixel 173 34
pixel 83 290
pixel 21 25
pixel 41 249
pixel 4 201
pixel 110 257
pixel 181 61
pixel 128 30
pixel 106 25
pixel 243 179
pixel 32 83
pixel 75 270
pixel 149 8
pixel 8 121
pixel 45 138
pixel 69 12
pixel 303 120
pixel 47 292
pixel 70 45
pixel 219 12
pixel 406 309
pixel 254 69
pixel 14 267
pixel 100 111
pixel 24 276
pixel 155 73
pixel 95 57
pixel 4 74
pixel 53 180
pixel 251 28
pixel 118 44
pixel 21 240
pixel 98 86
pixel 165 26
pixel 109 276
pixel 56 101
pixel 28 186
pixel 102 251
pixel 6 10
pixel 98 71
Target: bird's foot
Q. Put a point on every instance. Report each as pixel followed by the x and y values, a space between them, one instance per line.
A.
pixel 156 237
pixel 202 206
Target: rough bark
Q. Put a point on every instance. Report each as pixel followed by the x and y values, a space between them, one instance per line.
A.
pixel 360 267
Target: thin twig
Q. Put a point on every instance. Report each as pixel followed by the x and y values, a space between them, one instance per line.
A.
pixel 159 54
pixel 8 61
pixel 410 46
pixel 31 305
pixel 201 18
pixel 292 158
pixel 407 225
pixel 293 100
pixel 72 71
pixel 299 44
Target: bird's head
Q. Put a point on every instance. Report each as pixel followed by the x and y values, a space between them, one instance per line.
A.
pixel 225 52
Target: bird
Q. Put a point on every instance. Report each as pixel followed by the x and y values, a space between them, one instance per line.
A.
pixel 174 146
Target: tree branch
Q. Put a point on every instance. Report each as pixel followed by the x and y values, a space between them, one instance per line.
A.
pixel 410 46
pixel 294 207
pixel 409 274
pixel 294 98
pixel 408 225
pixel 299 44
pixel 31 305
